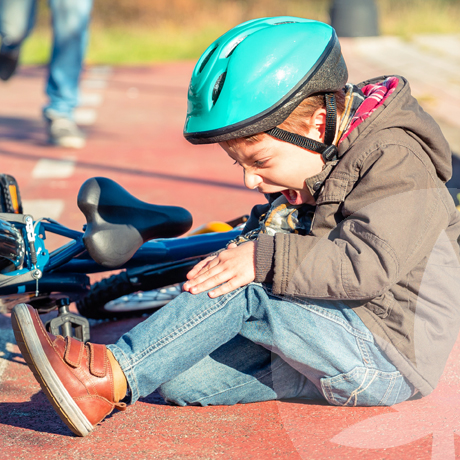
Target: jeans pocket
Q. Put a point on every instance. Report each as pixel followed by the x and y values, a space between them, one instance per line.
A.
pixel 363 387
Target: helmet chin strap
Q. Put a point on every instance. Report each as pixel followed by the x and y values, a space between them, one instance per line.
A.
pixel 327 149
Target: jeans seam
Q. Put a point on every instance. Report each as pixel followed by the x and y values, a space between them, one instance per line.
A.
pixel 365 355
pixel 182 329
pixel 327 386
pixel 388 391
pixel 354 394
pixel 241 385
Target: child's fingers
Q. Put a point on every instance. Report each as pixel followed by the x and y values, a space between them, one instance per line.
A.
pixel 223 289
pixel 235 264
pixel 230 286
pixel 210 276
pixel 198 267
pixel 196 277
pixel 223 278
pixel 207 283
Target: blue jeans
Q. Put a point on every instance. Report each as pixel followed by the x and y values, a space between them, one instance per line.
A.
pixel 250 345
pixel 70 21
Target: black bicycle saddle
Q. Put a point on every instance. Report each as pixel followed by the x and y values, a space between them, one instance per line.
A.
pixel 118 223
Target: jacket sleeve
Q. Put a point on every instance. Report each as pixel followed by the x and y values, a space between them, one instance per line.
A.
pixel 392 218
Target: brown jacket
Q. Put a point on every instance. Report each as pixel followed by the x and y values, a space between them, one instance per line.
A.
pixel 383 238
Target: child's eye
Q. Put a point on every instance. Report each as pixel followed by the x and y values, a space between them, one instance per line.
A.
pixel 259 163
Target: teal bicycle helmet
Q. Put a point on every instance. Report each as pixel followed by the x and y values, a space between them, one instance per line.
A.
pixel 251 78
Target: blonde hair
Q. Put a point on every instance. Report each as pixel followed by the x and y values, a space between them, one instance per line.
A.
pixel 298 121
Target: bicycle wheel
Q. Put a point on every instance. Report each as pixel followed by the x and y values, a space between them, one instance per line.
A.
pixel 130 304
pixel 93 304
pixel 143 301
pixel 100 302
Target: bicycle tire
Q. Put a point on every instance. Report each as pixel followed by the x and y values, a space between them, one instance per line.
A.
pixel 92 305
pixel 143 279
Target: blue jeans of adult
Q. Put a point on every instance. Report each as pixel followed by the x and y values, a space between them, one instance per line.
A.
pixel 70 21
pixel 250 345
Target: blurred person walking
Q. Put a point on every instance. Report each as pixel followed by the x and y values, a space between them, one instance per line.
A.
pixel 70 21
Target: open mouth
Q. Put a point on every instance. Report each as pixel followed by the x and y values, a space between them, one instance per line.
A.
pixel 292 196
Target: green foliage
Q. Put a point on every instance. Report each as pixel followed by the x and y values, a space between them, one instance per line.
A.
pixel 133 46
pixel 37 48
pixel 409 17
pixel 146 31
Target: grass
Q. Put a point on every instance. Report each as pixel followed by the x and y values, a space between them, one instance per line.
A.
pixel 131 46
pixel 162 34
pixel 128 45
pixel 419 17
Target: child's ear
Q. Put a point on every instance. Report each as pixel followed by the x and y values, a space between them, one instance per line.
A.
pixel 318 123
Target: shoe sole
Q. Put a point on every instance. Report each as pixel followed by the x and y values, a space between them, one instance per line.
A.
pixel 32 351
pixel 68 142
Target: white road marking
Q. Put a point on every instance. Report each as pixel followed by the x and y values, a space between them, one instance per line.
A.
pixel 44 208
pixel 84 116
pixel 90 99
pixel 94 84
pixel 95 78
pixel 56 169
pixel 100 71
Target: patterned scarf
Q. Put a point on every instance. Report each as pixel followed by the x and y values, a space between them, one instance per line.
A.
pixel 282 217
pixel 360 104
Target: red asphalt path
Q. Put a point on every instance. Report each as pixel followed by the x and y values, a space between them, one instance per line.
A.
pixel 137 141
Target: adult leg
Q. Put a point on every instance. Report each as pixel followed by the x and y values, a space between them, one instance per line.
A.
pixel 17 18
pixel 70 21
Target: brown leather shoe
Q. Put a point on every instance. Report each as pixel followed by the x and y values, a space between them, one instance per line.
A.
pixel 77 378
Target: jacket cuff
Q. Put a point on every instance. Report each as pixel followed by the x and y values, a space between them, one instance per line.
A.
pixel 265 251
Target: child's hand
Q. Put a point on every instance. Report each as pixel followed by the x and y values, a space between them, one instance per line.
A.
pixel 230 269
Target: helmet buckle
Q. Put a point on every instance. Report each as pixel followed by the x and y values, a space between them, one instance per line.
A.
pixel 331 153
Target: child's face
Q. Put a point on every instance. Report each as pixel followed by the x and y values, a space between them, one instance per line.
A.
pixel 272 166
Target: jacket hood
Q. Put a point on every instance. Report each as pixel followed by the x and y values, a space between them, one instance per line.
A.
pixel 401 110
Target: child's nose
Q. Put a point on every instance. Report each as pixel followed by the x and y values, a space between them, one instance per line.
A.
pixel 251 180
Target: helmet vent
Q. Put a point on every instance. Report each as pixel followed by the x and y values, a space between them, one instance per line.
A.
pixel 237 42
pixel 206 59
pixel 285 22
pixel 218 87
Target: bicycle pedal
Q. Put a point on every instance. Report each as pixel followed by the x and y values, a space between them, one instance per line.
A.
pixel 69 325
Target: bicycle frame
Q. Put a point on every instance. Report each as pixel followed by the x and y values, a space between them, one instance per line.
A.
pixel 64 270
pixel 75 258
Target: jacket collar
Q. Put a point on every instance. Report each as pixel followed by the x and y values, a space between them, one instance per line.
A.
pixel 315 183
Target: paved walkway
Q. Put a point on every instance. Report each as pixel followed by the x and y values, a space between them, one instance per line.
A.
pixel 134 119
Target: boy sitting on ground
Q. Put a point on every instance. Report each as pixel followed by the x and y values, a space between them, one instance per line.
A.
pixel 343 288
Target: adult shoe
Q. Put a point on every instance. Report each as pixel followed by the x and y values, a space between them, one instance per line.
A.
pixel 8 63
pixel 64 132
